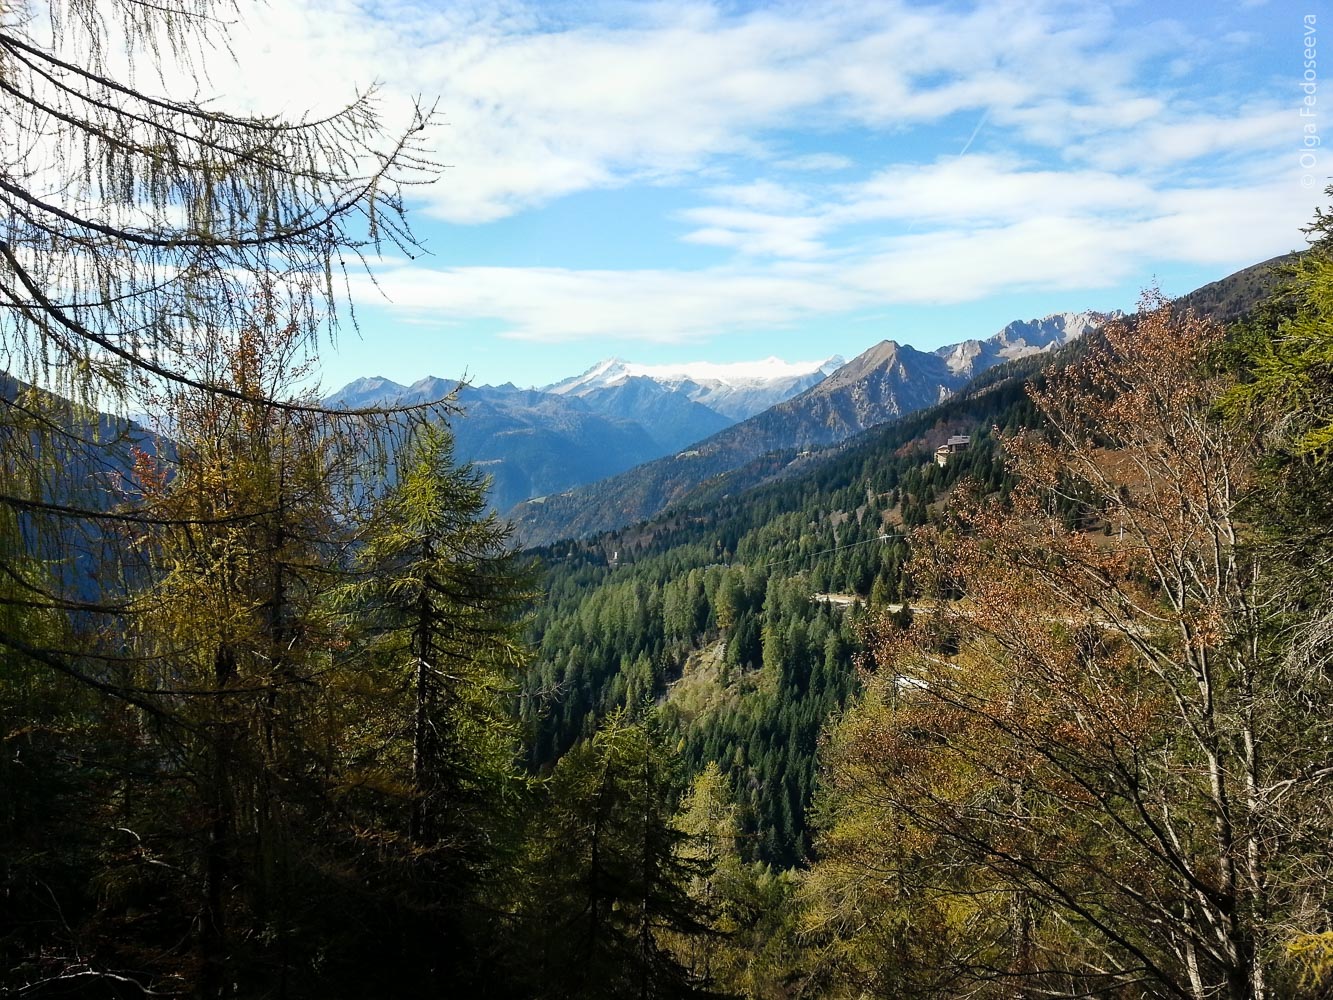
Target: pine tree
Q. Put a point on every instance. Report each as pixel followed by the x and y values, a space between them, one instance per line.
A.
pixel 443 597
pixel 436 616
pixel 611 873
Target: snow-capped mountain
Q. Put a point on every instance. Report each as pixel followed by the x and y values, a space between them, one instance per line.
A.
pixel 618 415
pixel 532 442
pixel 529 442
pixel 1019 339
pixel 886 381
pixel 736 390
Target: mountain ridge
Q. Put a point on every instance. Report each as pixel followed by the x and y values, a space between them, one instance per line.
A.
pixel 534 441
pixel 737 390
pixel 887 380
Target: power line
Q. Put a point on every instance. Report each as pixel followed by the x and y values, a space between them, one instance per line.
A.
pixel 837 548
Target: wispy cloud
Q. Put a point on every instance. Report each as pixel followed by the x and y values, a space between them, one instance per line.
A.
pixel 539 108
pixel 984 189
pixel 815 145
pixel 562 305
pixel 758 233
pixel 1183 138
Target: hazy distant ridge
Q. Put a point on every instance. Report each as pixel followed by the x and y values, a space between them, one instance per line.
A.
pixel 616 415
pixel 886 381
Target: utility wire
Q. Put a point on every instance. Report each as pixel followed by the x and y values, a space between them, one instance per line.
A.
pixel 837 548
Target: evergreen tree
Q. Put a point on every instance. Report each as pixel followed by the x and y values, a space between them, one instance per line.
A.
pixel 611 874
pixel 436 618
pixel 442 601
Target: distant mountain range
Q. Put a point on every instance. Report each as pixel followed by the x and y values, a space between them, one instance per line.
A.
pixel 614 416
pixel 82 462
pixel 622 441
pixel 618 415
pixel 886 381
pixel 738 390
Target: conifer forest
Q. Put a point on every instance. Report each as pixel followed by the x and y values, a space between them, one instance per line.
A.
pixel 287 711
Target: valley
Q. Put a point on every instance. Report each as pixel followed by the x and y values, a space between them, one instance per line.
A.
pixel 773 616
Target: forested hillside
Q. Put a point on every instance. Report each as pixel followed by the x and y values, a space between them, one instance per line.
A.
pixel 884 382
pixel 741 608
pixel 1049 665
pixel 713 608
pixel 1025 694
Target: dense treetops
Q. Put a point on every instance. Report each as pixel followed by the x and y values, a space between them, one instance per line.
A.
pixel 277 719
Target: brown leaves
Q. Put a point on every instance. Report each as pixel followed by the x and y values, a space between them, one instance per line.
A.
pixel 1060 720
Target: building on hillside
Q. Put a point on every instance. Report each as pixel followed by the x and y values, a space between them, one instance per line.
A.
pixel 957 443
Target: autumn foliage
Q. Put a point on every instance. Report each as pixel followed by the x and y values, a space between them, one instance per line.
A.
pixel 1082 769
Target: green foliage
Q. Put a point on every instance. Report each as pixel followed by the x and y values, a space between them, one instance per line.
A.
pixel 709 609
pixel 1288 353
pixel 611 872
pixel 440 605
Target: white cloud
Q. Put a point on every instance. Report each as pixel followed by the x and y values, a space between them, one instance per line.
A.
pixel 543 100
pixel 960 265
pixel 1079 242
pixel 816 162
pixel 986 189
pixel 758 233
pixel 539 108
pixel 978 192
pixel 764 195
pixel 559 305
pixel 1187 137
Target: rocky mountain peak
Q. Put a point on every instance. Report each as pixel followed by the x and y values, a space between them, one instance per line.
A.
pixel 1020 339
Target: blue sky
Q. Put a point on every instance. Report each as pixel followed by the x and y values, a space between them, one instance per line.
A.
pixel 670 182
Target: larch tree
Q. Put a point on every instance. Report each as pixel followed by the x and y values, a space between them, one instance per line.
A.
pixel 708 818
pixel 134 220
pixel 136 226
pixel 160 254
pixel 438 600
pixel 245 533
pixel 1095 763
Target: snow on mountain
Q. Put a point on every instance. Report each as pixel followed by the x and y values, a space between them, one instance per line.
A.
pixel 599 376
pixel 529 442
pixel 736 389
pixel 1019 339
pixel 618 413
